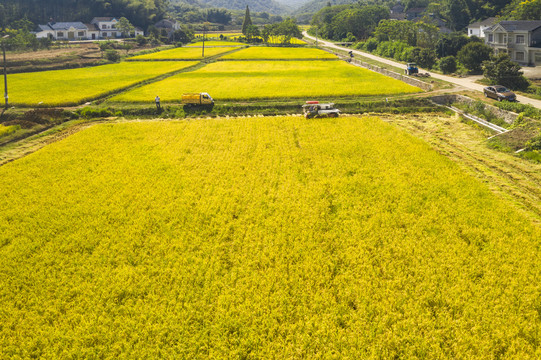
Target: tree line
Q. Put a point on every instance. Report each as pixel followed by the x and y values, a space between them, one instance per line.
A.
pixel 141 13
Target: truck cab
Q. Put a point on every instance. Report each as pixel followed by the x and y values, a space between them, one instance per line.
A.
pixel 197 100
pixel 206 99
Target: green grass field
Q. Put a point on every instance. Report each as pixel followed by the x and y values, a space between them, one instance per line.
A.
pixel 75 86
pixel 236 80
pixel 216 43
pixel 279 53
pixel 267 238
pixel 183 53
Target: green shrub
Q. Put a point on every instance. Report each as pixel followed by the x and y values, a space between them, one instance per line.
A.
pixel 369 45
pixel 534 143
pixel 448 65
pixel 89 113
pixel 112 55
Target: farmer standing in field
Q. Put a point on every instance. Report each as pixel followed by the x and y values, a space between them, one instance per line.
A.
pixel 158 107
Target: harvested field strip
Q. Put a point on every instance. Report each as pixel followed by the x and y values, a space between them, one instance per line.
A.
pixel 247 80
pixel 509 176
pixel 75 86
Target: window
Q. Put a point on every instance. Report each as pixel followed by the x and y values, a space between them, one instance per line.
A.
pixel 60 34
pixel 519 56
pixel 520 39
pixel 471 31
pixel 81 33
pixel 105 34
pixel 103 26
pixel 490 38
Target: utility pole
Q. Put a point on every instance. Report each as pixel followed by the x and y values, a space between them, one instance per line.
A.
pixel 5 71
pixel 204 35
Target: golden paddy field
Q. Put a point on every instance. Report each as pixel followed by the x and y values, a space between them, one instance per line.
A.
pixel 246 80
pixel 264 238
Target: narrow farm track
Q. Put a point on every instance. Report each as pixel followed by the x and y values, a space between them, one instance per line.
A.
pixel 508 176
pixel 32 144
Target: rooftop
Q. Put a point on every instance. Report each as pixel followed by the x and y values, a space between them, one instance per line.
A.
pixel 520 25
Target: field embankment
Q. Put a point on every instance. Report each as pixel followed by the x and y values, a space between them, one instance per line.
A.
pixel 266 238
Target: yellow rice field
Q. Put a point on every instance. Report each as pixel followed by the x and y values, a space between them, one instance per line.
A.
pixel 243 80
pixel 267 238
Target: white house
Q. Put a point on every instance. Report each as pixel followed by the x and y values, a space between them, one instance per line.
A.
pixel 478 28
pixel 99 28
pixel 63 31
pixel 107 27
pixel 520 39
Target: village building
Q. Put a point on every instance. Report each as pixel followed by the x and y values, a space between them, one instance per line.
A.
pixel 478 28
pixel 99 28
pixel 167 27
pixel 520 39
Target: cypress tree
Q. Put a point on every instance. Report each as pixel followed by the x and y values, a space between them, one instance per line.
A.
pixel 247 20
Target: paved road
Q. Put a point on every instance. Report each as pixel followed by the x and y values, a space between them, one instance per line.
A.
pixel 468 82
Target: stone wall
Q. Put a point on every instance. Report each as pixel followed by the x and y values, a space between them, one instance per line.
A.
pixel 449 99
pixel 408 80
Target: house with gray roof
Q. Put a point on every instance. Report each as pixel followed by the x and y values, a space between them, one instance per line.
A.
pixel 521 39
pixel 99 28
pixel 62 31
pixel 478 28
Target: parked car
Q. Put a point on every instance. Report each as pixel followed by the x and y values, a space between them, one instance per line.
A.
pixel 499 93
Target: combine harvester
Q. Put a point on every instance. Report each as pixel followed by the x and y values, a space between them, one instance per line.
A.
pixel 314 109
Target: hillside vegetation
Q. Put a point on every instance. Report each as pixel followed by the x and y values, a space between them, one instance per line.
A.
pixel 140 13
pixel 260 238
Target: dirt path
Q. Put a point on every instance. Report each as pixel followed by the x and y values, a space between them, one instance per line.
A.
pixel 508 176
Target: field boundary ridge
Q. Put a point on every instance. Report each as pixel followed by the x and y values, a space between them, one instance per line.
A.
pixel 449 99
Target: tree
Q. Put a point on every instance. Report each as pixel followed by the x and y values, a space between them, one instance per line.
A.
pixel 396 30
pixel 220 16
pixel 125 27
pixel 427 58
pixel 450 44
pixel 247 20
pixel 473 54
pixel 112 55
pixel 527 10
pixel 252 32
pixel 448 65
pixel 457 13
pixel 183 35
pixel 501 70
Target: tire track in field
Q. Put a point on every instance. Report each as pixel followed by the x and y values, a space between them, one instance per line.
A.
pixel 507 175
pixel 29 145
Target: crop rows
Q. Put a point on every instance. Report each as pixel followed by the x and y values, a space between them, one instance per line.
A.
pixel 216 43
pixel 274 53
pixel 74 86
pixel 260 238
pixel 235 80
pixel 183 53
